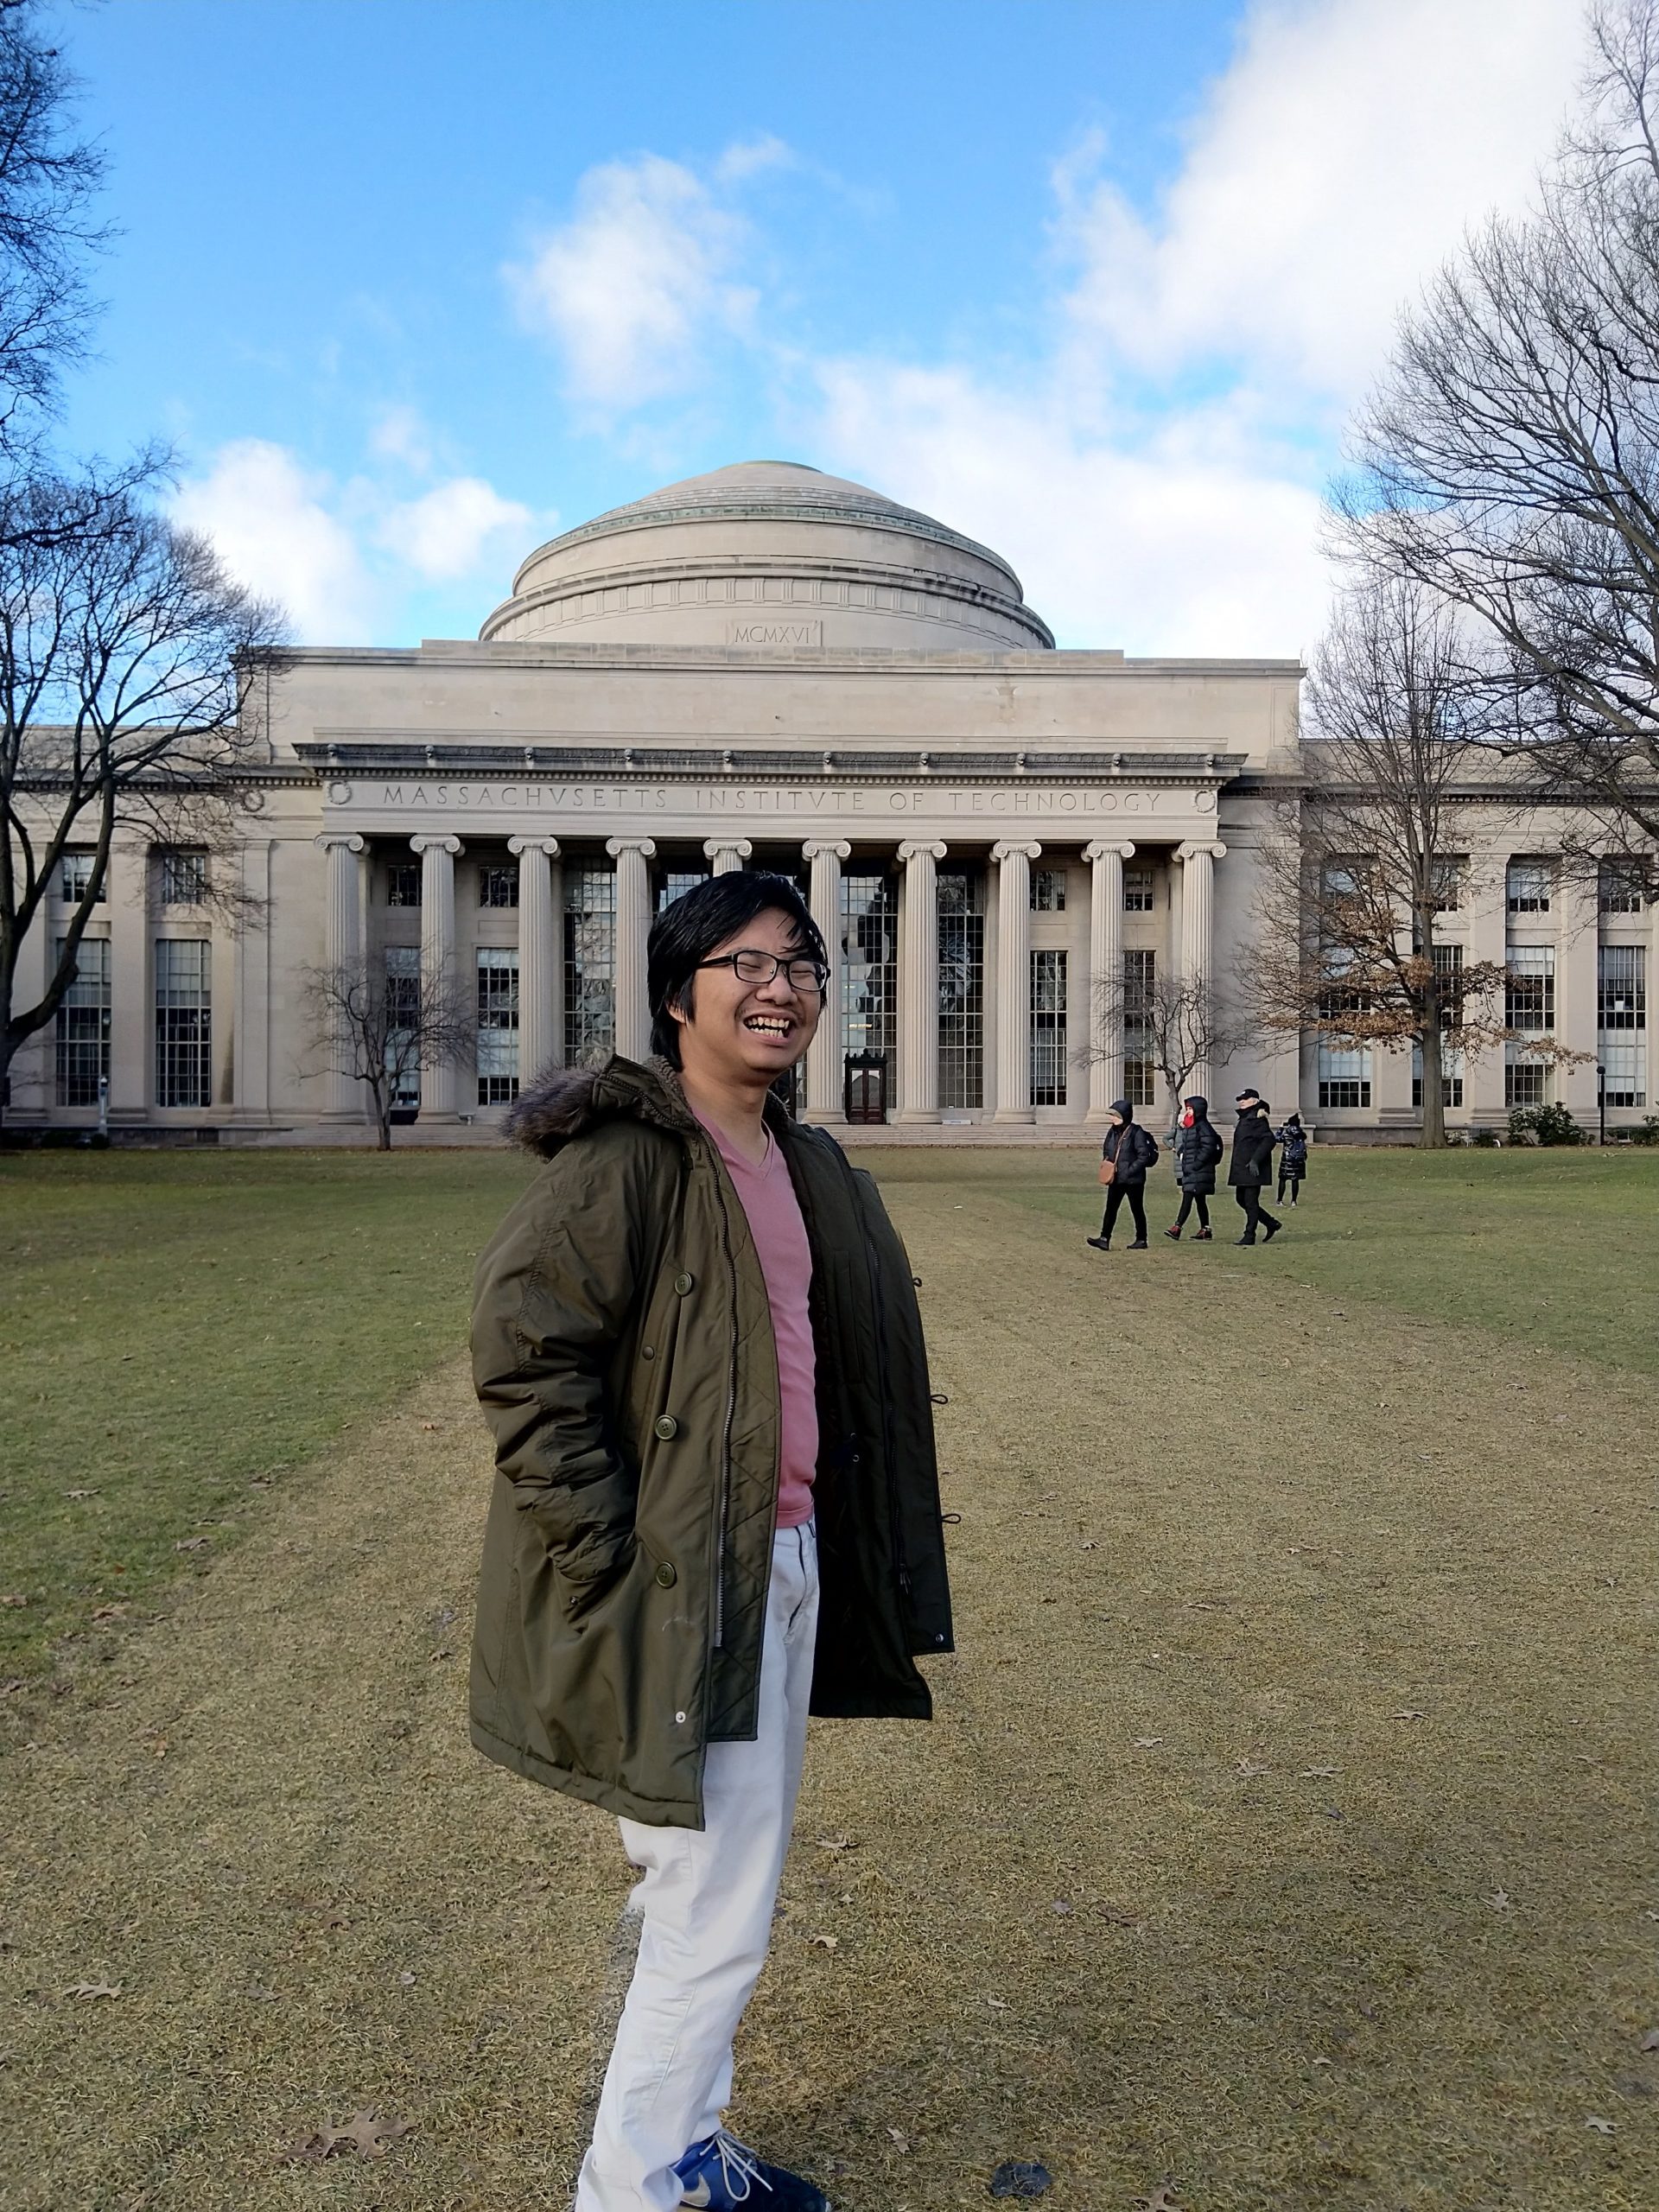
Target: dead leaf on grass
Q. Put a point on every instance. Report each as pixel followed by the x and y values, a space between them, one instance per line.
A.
pixel 1251 1770
pixel 1147 1743
pixel 80 1493
pixel 86 1991
pixel 368 2133
pixel 1650 2041
pixel 837 1843
pixel 825 1943
pixel 901 2143
pixel 1321 1773
pixel 1601 2127
pixel 1500 1900
pixel 13 1598
pixel 429 1425
pixel 1161 2200
pixel 192 1543
pixel 1407 1712
pixel 111 1612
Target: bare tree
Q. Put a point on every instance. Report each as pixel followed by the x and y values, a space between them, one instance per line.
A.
pixel 1510 461
pixel 130 665
pixel 1363 860
pixel 379 1028
pixel 1174 1021
pixel 48 178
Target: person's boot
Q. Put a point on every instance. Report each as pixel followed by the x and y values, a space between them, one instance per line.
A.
pixel 1099 1243
pixel 1174 1235
pixel 1201 1236
pixel 1271 1230
pixel 1139 1245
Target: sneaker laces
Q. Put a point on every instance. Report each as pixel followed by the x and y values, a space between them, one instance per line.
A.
pixel 738 2164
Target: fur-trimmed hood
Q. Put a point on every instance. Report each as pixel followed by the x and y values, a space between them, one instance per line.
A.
pixel 562 1102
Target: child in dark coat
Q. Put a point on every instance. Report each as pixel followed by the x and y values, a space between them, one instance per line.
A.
pixel 1292 1157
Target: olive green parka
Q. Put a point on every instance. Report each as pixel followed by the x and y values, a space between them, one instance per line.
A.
pixel 623 1357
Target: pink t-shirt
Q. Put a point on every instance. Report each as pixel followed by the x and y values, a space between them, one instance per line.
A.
pixel 779 1234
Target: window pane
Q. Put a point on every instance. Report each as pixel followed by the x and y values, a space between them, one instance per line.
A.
pixel 403 883
pixel 1529 994
pixel 1048 987
pixel 402 1016
pixel 1619 888
pixel 183 1022
pixel 1529 886
pixel 1048 891
pixel 674 882
pixel 1137 898
pixel 75 875
pixel 1622 986
pixel 498 887
pixel 83 1025
pixel 1344 1074
pixel 961 989
pixel 184 877
pixel 498 1025
pixel 869 955
pixel 589 966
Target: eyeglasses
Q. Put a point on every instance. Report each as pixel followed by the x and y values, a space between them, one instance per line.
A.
pixel 754 966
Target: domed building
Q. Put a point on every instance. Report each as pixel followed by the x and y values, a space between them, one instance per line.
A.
pixel 762 667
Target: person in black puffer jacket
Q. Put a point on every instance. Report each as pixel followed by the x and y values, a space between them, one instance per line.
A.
pixel 1198 1151
pixel 1292 1157
pixel 1251 1166
pixel 1131 1150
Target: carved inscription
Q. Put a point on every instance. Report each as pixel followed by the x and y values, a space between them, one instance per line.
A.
pixel 826 802
pixel 759 631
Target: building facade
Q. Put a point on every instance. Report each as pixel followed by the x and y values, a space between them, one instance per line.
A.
pixel 767 667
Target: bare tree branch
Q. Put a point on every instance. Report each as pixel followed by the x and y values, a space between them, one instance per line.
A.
pixel 381 1029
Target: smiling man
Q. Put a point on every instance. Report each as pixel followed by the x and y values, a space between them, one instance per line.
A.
pixel 696 1341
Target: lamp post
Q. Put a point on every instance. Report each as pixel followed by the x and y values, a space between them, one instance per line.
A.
pixel 1601 1103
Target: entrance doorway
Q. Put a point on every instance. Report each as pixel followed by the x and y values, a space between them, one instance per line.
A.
pixel 866 1087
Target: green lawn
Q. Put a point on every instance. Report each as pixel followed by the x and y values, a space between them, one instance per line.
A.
pixel 1285 1826
pixel 178 1329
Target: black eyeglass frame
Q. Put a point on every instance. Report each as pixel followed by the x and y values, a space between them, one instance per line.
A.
pixel 781 965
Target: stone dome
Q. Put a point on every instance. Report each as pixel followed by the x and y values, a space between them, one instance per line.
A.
pixel 769 556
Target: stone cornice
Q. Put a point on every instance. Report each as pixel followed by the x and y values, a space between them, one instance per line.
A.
pixel 794 764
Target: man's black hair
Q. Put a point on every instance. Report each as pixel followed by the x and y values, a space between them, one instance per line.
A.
pixel 683 935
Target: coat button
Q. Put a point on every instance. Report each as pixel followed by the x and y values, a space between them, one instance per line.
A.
pixel 647 1351
pixel 682 1284
pixel 666 1578
pixel 666 1426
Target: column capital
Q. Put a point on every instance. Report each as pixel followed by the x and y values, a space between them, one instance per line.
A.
pixel 1200 848
pixel 647 847
pixel 435 842
pixel 914 848
pixel 1103 848
pixel 714 847
pixel 1010 847
pixel 330 838
pixel 838 845
pixel 547 845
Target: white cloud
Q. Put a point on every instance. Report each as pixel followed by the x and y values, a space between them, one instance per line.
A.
pixel 1334 164
pixel 339 557
pixel 267 516
pixel 631 288
pixel 400 433
pixel 447 532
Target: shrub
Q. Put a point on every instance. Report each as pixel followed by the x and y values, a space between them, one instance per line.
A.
pixel 1551 1124
pixel 1486 1139
pixel 1646 1131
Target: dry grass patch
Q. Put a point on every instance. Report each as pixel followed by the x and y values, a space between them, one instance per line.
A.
pixel 1281 1830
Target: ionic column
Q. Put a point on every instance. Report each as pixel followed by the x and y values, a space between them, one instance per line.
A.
pixel 132 1018
pixel 825 1062
pixel 1014 860
pixel 541 956
pixel 439 1077
pixel 342 957
pixel 728 854
pixel 633 928
pixel 919 986
pixel 1105 974
pixel 1198 862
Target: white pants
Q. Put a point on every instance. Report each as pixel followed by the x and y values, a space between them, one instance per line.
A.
pixel 707 1900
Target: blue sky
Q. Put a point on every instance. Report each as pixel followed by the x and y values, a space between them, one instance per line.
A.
pixel 411 284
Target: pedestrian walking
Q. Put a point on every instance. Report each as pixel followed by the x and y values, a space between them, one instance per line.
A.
pixel 1251 1164
pixel 696 1340
pixel 1198 1150
pixel 1291 1141
pixel 1127 1152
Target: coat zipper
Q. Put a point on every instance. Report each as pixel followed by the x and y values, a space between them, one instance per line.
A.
pixel 726 1433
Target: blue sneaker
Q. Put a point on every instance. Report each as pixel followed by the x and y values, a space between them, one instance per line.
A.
pixel 721 2173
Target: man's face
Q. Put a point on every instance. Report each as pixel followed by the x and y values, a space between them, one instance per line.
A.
pixel 748 1033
